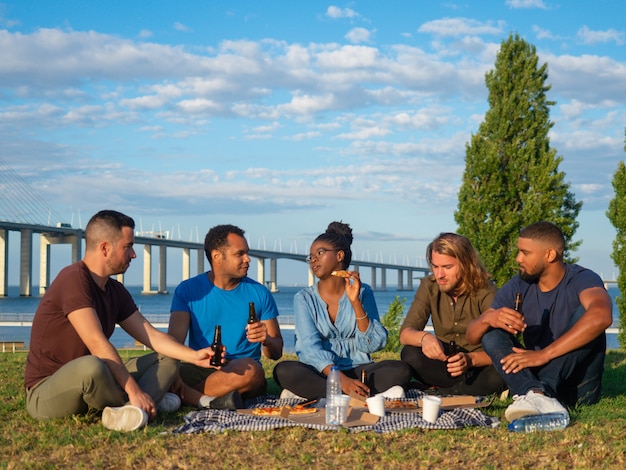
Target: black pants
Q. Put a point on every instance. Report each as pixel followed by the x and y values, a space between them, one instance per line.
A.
pixel 305 381
pixel 434 373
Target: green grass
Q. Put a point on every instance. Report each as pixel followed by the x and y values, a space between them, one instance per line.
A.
pixel 596 438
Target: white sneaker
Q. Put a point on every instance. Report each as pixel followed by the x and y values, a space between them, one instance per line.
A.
pixel 124 418
pixel 289 394
pixel 393 392
pixel 533 404
pixel 169 403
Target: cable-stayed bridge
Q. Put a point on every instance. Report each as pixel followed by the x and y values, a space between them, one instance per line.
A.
pixel 23 210
pixel 62 234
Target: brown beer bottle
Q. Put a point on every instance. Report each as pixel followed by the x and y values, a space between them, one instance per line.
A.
pixel 452 351
pixel 364 377
pixel 518 302
pixel 217 346
pixel 518 308
pixel 252 318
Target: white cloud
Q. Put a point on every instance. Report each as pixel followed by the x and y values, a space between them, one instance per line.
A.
pixel 543 33
pixel 180 27
pixel 588 188
pixel 348 57
pixel 587 78
pixel 268 128
pixel 400 105
pixel 588 36
pixel 198 105
pixel 85 116
pixel 336 12
pixel 365 133
pixel 358 35
pixel 4 21
pixel 306 104
pixel 422 119
pixel 461 26
pixel 526 4
pixel 304 136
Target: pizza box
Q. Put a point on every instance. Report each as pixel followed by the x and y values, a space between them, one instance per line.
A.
pixel 356 416
pixel 461 401
pixel 284 413
pixel 448 402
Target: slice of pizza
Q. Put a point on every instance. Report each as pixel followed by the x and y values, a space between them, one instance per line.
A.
pixel 267 411
pixel 340 273
pixel 398 404
pixel 278 410
pixel 296 410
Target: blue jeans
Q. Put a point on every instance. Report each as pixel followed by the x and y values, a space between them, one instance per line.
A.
pixel 578 371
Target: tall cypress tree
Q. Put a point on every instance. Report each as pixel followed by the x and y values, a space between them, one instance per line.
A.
pixel 512 175
pixel 617 216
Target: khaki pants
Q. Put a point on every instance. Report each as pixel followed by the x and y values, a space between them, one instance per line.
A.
pixel 87 382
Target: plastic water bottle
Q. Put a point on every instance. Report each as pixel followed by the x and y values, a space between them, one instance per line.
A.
pixel 333 397
pixel 543 422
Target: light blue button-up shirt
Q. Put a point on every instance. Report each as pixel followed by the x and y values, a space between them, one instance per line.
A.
pixel 320 343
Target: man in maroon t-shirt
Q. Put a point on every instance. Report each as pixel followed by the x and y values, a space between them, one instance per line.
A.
pixel 72 366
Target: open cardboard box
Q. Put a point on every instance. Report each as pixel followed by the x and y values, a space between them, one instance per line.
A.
pixel 357 415
pixel 447 403
pixel 461 401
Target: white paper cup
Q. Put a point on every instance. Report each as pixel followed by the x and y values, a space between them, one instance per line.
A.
pixel 345 405
pixel 376 405
pixel 430 408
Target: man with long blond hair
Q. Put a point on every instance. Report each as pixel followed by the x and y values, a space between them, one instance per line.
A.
pixel 456 293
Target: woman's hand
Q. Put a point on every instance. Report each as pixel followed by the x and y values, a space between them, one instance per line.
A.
pixel 353 286
pixel 349 385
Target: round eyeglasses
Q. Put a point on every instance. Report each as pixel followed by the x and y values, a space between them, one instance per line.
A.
pixel 319 252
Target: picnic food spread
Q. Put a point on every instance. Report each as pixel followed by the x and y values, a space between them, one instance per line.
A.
pixel 400 405
pixel 277 410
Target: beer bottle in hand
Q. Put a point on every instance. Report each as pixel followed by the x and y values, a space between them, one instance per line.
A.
pixel 217 346
pixel 252 318
pixel 452 350
pixel 518 308
pixel 364 378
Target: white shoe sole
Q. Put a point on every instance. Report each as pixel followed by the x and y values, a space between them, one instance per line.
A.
pixel 517 414
pixel 124 418
pixel 169 403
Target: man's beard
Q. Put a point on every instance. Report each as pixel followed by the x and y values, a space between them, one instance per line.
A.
pixel 450 289
pixel 531 278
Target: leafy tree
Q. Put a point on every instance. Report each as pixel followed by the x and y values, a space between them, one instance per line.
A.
pixel 392 320
pixel 617 216
pixel 512 176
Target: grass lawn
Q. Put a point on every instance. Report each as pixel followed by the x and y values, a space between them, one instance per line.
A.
pixel 596 438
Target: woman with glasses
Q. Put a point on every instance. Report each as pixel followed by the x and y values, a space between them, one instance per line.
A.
pixel 337 323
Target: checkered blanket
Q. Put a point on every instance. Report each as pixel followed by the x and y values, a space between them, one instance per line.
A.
pixel 222 420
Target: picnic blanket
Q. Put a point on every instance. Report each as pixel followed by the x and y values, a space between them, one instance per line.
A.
pixel 222 420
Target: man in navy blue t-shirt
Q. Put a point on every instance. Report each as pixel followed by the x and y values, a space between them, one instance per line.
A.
pixel 564 312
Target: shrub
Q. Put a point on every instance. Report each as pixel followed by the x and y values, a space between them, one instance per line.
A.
pixel 392 320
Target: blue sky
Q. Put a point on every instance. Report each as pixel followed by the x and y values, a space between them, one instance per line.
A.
pixel 282 116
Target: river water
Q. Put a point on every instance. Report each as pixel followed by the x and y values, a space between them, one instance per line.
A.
pixel 156 308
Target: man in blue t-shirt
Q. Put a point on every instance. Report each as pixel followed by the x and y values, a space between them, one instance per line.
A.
pixel 564 312
pixel 222 296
